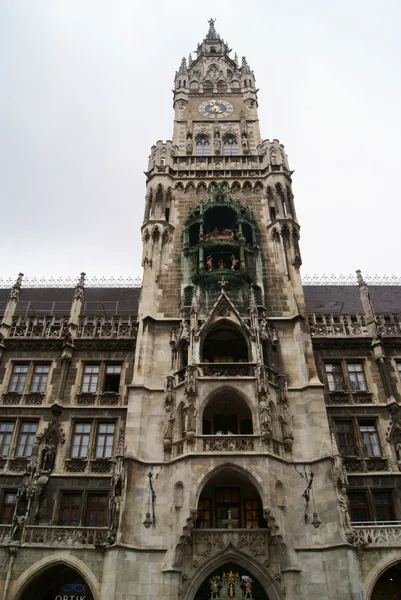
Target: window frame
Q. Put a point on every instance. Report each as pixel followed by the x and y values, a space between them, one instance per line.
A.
pixel 62 506
pixel 332 382
pixel 373 434
pixel 29 435
pixel 101 377
pixel 356 378
pixel 80 435
pixel 4 493
pixel 43 378
pixel 371 505
pixel 16 387
pixel 107 435
pixel 6 434
pixel 96 507
pixel 354 381
pixel 202 142
pixel 347 435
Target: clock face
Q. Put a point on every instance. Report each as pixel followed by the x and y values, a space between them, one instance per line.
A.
pixel 216 109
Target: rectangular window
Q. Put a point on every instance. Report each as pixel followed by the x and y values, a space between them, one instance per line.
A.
pixel 96 510
pixel 7 511
pixel 204 514
pixel 334 376
pixel 370 439
pixel 345 438
pixel 359 507
pixel 252 514
pixel 18 378
pixel 383 506
pixel 80 440
pixel 6 432
pixel 104 440
pixel 70 509
pixel 112 378
pixel 26 439
pixel 39 379
pixel 399 368
pixel 356 377
pixel 90 379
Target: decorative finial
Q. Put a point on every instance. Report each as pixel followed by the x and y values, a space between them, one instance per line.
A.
pixel 212 34
pixel 15 290
pixel 79 288
pixel 223 282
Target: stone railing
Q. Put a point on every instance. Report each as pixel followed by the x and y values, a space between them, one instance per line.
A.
pixel 207 542
pixel 105 399
pixel 226 370
pixel 345 325
pixel 64 536
pixel 228 443
pixel 30 398
pixel 47 326
pixel 100 327
pixel 5 533
pixel 348 397
pixel 385 534
pixel 84 465
pixel 356 464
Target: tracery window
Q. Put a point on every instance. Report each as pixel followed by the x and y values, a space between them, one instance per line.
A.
pixel 202 145
pixel 230 147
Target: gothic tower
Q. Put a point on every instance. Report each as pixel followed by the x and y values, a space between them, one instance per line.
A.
pixel 229 451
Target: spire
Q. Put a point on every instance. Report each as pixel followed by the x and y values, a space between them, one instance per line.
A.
pixel 15 290
pixel 212 34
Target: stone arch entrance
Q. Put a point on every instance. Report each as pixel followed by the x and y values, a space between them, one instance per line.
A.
pixel 57 582
pixel 388 585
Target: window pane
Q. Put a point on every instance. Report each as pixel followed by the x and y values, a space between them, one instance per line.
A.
pixel 96 510
pixel 370 439
pixel 383 506
pixel 70 509
pixel 345 438
pixel 80 440
pixel 358 506
pixel 104 442
pixel 39 379
pixel 356 377
pixel 90 379
pixel 6 431
pixel 18 378
pixel 8 507
pixel 26 439
pixel 334 375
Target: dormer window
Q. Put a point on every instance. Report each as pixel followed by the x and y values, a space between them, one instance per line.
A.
pixel 202 145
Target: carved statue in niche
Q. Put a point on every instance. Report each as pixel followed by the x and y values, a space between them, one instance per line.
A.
pixel 282 388
pixel 169 390
pixel 190 416
pixel 189 147
pixel 344 507
pixel 217 145
pixel 190 381
pixel 286 420
pixel 262 381
pixel 17 527
pixel 273 156
pixel 117 484
pixel 168 428
pixel 265 417
pixel 264 335
pixel 398 450
pixel 48 456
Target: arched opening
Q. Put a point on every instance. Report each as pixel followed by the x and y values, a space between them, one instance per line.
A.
pixel 224 344
pixel 58 581
pixel 388 585
pixel 227 414
pixel 230 581
pixel 229 500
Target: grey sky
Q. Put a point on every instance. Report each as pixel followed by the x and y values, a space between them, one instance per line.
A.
pixel 86 91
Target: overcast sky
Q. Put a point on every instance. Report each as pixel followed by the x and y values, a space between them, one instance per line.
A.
pixel 86 90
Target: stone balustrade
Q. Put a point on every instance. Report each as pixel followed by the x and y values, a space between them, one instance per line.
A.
pixel 228 443
pixel 64 536
pixel 385 534
pixel 226 370
pixel 347 325
pixel 50 327
pixel 212 444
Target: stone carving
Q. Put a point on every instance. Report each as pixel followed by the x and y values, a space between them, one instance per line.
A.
pixel 79 288
pixel 190 416
pixel 224 308
pixel 282 392
pixel 286 420
pixel 169 390
pixel 190 381
pixel 168 429
pixel 189 147
pixel 265 418
pixel 273 156
pixel 262 379
pixel 48 456
pixel 117 485
pixel 15 290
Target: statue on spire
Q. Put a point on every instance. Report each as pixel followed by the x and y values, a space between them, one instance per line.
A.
pixel 212 34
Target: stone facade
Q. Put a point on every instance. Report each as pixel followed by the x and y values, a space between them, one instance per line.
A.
pixel 230 432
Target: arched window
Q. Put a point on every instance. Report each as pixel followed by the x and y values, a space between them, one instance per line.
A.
pixel 202 145
pixel 208 86
pixel 230 145
pixel 221 86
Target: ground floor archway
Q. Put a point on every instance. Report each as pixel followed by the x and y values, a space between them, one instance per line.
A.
pixel 58 582
pixel 231 582
pixel 388 586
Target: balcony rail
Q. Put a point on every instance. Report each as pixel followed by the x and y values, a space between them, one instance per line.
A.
pixel 378 533
pixel 358 464
pixel 351 325
pixel 52 327
pixel 226 370
pixel 349 397
pixel 64 536
pixel 227 443
pixel 105 399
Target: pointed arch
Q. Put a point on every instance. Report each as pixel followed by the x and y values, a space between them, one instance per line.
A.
pixel 247 186
pixel 227 555
pixel 227 411
pixel 214 340
pixel 53 560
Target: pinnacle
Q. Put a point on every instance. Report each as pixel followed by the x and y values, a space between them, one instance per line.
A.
pixel 212 34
